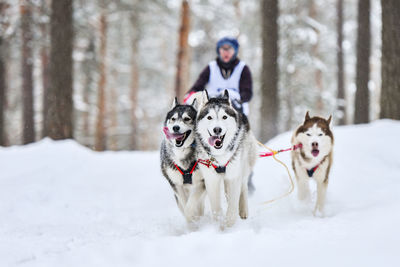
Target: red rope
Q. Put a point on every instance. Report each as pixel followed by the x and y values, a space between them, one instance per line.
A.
pixel 268 154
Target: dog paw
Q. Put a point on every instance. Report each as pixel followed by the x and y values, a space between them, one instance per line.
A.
pixel 318 213
pixel 193 226
pixel 243 214
pixel 229 220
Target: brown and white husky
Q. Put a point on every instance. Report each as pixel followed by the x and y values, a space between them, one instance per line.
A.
pixel 313 158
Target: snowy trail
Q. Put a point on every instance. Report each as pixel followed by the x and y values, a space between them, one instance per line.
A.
pixel 64 205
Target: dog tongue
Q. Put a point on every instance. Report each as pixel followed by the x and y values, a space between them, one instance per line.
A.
pixel 213 139
pixel 170 135
pixel 315 152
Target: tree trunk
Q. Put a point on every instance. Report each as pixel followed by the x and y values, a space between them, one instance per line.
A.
pixel 114 93
pixel 113 104
pixel 2 92
pixel 361 113
pixel 390 94
pixel 341 101
pixel 27 73
pixel 4 46
pixel 59 117
pixel 44 58
pixel 100 143
pixel 87 66
pixel 269 73
pixel 182 66
pixel 316 57
pixel 134 80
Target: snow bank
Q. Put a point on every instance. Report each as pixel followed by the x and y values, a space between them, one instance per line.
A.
pixel 64 205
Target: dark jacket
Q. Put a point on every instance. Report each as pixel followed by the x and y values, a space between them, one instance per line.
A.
pixel 245 83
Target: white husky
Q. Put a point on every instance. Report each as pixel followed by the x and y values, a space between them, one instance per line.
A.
pixel 313 159
pixel 227 151
pixel 179 160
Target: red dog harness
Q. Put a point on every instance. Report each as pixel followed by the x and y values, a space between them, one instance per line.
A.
pixel 186 174
pixel 208 163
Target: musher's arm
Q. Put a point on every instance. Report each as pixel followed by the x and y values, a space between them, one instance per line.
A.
pixel 200 84
pixel 246 85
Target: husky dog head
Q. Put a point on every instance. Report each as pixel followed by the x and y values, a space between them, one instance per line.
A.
pixel 180 123
pixel 218 124
pixel 315 136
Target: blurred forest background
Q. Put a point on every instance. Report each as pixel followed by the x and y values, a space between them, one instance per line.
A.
pixel 105 72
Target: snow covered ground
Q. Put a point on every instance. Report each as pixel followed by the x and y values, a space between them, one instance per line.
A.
pixel 64 205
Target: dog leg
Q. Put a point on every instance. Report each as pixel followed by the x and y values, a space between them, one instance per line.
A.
pixel 213 188
pixel 321 196
pixel 200 205
pixel 303 189
pixel 193 208
pixel 181 199
pixel 243 203
pixel 232 193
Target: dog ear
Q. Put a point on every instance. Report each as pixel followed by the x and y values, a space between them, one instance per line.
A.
pixel 205 97
pixel 195 104
pixel 307 116
pixel 329 120
pixel 226 96
pixel 175 103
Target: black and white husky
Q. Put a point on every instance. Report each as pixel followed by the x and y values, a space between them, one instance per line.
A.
pixel 313 157
pixel 227 152
pixel 179 160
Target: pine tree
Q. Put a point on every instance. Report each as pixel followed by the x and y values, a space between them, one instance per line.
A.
pixel 269 73
pixel 27 72
pixel 2 92
pixel 134 90
pixel 100 142
pixel 361 113
pixel 390 94
pixel 182 66
pixel 59 122
pixel 341 102
pixel 44 58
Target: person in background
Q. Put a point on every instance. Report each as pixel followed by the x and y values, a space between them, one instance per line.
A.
pixel 227 71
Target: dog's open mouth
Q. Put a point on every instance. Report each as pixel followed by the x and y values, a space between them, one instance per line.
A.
pixel 179 138
pixel 315 152
pixel 217 141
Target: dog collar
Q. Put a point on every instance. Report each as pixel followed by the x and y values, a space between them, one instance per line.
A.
pixel 209 162
pixel 310 172
pixel 187 174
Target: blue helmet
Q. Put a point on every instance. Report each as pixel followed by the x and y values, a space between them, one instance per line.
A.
pixel 229 41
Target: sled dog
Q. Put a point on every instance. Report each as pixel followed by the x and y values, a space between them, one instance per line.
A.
pixel 179 160
pixel 313 157
pixel 227 152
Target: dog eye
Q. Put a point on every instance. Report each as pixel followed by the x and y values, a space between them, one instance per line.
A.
pixel 186 119
pixel 209 118
pixel 224 117
pixel 320 135
pixel 173 119
pixel 308 134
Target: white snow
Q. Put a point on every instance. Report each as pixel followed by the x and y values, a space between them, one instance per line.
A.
pixel 64 205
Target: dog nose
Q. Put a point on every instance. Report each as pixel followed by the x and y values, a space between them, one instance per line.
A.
pixel 217 130
pixel 314 145
pixel 176 128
